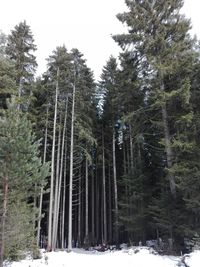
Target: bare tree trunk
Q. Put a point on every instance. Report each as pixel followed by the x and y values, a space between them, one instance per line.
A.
pixel 93 208
pixel 131 150
pixel 64 198
pixel 42 187
pixel 79 209
pixel 124 157
pixel 102 217
pixel 86 204
pixel 71 173
pixel 59 175
pixel 110 205
pixel 126 185
pixel 115 191
pixel 125 169
pixel 128 159
pixel 3 219
pixel 97 205
pixel 55 217
pixel 82 213
pixel 52 169
pixel 104 194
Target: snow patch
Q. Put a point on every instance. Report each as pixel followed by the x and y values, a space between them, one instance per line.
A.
pixel 193 259
pixel 134 256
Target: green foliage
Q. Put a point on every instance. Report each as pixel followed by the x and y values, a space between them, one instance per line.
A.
pixel 19 229
pixel 157 69
pixel 7 75
pixel 3 40
pixel 150 104
pixel 21 164
pixel 20 47
pixel 20 50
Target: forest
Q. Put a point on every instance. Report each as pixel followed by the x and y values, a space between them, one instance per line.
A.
pixel 85 162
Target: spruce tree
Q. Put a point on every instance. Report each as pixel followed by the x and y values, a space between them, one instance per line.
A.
pixel 159 35
pixel 110 89
pixel 20 49
pixel 7 74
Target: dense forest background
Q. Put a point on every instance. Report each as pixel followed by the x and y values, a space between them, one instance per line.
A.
pixel 85 162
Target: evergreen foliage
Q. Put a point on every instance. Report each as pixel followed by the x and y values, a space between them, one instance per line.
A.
pixel 20 48
pixel 124 151
pixel 21 173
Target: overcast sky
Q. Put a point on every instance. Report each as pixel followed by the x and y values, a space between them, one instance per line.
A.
pixel 83 24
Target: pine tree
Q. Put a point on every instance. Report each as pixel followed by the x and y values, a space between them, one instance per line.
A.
pixel 21 169
pixel 20 48
pixel 7 74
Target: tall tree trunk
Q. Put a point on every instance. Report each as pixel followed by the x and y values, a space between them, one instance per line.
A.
pixel 97 201
pixel 104 193
pixel 124 158
pixel 55 217
pixel 3 219
pixel 125 169
pixel 93 207
pixel 79 209
pixel 115 191
pixel 52 168
pixel 71 172
pixel 131 150
pixel 86 204
pixel 110 205
pixel 42 187
pixel 64 199
pixel 60 174
pixel 126 185
pixel 128 158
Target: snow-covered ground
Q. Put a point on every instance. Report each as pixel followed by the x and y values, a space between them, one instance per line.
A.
pixel 193 259
pixel 133 257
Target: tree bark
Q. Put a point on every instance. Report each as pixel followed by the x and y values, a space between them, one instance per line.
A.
pixel 55 212
pixel 71 172
pixel 60 175
pixel 97 207
pixel 131 150
pixel 104 193
pixel 42 187
pixel 79 209
pixel 64 198
pixel 115 190
pixel 93 208
pixel 86 204
pixel 52 169
pixel 110 205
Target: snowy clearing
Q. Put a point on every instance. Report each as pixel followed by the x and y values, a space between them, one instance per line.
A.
pixel 137 257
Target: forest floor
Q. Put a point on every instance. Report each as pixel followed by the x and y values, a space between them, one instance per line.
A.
pixel 136 256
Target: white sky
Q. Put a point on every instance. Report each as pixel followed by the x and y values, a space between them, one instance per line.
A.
pixel 83 24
